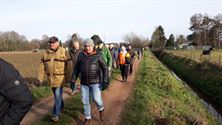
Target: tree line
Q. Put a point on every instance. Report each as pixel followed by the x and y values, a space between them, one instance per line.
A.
pixel 13 41
pixel 205 30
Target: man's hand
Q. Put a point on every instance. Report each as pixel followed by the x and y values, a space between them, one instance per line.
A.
pixel 41 81
pixel 105 85
pixel 73 85
pixel 109 68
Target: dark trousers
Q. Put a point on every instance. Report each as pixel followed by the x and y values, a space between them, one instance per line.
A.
pixel 131 68
pixel 124 68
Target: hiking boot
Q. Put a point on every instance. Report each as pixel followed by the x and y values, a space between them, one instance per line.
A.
pixel 87 121
pixel 101 114
pixel 55 119
pixel 125 80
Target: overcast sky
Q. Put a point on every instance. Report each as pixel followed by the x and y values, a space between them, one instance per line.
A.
pixel 110 19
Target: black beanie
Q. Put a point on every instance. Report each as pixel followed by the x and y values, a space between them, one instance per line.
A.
pixel 96 39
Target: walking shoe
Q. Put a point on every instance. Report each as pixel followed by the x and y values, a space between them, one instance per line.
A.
pixel 87 121
pixel 55 119
pixel 125 81
pixel 101 114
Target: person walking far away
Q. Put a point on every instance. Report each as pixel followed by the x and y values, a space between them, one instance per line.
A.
pixel 89 65
pixel 56 64
pixel 138 53
pixel 124 60
pixel 114 55
pixel 74 53
pixel 132 55
pixel 15 96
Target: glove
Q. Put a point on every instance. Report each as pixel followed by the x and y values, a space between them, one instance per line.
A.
pixel 73 85
pixel 105 85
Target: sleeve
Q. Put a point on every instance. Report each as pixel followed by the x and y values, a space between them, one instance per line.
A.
pixel 109 57
pixel 17 93
pixel 68 67
pixel 117 59
pixel 41 71
pixel 104 68
pixel 76 69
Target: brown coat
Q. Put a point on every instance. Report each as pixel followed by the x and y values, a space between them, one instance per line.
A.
pixel 57 66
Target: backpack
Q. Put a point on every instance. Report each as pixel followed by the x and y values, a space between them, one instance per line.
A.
pixel 128 59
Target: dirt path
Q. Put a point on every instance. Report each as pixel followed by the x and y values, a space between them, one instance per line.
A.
pixel 40 109
pixel 114 101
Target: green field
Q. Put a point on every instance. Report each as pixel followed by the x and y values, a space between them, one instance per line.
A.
pixel 215 56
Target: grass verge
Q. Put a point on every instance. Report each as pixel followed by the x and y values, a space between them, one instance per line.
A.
pixel 41 92
pixel 204 76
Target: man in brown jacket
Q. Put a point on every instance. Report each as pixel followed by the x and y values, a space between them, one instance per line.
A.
pixel 56 64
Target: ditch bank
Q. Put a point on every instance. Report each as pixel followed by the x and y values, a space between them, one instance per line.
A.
pixel 158 98
pixel 203 78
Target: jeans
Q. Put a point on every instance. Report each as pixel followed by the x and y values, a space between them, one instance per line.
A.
pixel 58 101
pixel 95 91
pixel 131 68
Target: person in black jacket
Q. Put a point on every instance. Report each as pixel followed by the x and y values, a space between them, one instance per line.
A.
pixel 89 65
pixel 74 53
pixel 15 96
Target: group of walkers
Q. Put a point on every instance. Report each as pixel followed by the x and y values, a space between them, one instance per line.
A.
pixel 92 64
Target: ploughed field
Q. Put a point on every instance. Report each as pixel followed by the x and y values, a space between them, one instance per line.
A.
pixel 26 62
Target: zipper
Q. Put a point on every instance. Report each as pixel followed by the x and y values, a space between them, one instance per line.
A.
pixel 87 64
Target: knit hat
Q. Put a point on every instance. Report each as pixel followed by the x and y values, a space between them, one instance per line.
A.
pixel 88 42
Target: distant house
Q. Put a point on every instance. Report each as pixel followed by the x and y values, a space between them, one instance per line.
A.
pixel 187 46
pixel 183 46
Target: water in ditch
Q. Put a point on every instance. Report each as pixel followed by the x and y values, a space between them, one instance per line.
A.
pixel 206 103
